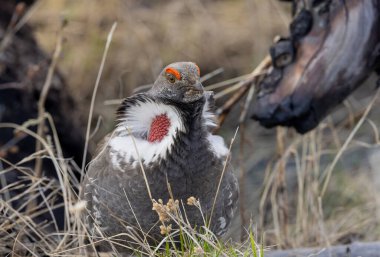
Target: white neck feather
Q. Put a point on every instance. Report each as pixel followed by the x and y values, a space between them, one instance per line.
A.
pixel 130 141
pixel 209 116
pixel 138 118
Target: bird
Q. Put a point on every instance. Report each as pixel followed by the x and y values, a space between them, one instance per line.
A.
pixel 162 140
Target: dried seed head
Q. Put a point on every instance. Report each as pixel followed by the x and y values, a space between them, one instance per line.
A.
pixel 78 207
pixel 165 229
pixel 192 201
pixel 162 211
pixel 198 251
pixel 172 205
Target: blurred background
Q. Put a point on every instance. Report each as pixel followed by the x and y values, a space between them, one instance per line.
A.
pixel 234 35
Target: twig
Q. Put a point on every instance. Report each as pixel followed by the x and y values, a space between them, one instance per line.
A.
pixel 113 102
pixel 203 78
pixel 226 82
pixel 19 19
pixel 211 74
pixel 242 87
pixel 244 112
pixel 223 111
pixel 234 88
pixel 7 38
pixel 141 88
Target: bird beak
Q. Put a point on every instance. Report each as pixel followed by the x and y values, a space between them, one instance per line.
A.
pixel 194 93
pixel 198 85
pixel 209 95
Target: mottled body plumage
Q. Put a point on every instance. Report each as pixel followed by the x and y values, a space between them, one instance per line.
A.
pixel 189 158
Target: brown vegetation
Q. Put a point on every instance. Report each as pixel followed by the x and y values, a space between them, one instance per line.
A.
pixel 319 189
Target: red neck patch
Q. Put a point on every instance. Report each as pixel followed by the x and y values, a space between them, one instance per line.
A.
pixel 159 128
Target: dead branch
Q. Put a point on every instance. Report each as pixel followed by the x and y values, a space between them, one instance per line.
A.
pixel 356 249
pixel 242 88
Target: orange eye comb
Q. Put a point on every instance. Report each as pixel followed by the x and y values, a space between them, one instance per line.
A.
pixel 174 72
pixel 199 71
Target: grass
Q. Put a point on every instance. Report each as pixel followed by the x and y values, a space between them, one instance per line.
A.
pixel 324 204
pixel 308 195
pixel 37 239
pixel 308 217
pixel 22 235
pixel 150 36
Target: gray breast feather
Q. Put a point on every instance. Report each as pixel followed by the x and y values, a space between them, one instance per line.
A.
pixel 116 199
pixel 230 192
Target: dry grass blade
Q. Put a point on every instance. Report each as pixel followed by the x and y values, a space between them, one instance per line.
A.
pixel 242 87
pixel 43 96
pixel 211 74
pixel 106 48
pixel 259 70
pixel 242 185
pixel 221 177
pixel 149 86
pixel 328 172
pixel 244 112
pixel 226 82
pixel 137 90
pixel 140 163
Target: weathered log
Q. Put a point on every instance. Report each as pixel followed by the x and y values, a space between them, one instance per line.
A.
pixel 352 250
pixel 333 47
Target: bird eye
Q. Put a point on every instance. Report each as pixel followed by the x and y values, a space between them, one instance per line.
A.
pixel 172 75
pixel 170 78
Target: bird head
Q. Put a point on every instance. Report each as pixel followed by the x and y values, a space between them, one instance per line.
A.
pixel 175 101
pixel 179 82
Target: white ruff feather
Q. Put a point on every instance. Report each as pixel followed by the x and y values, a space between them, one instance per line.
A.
pixel 209 116
pixel 217 145
pixel 138 120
